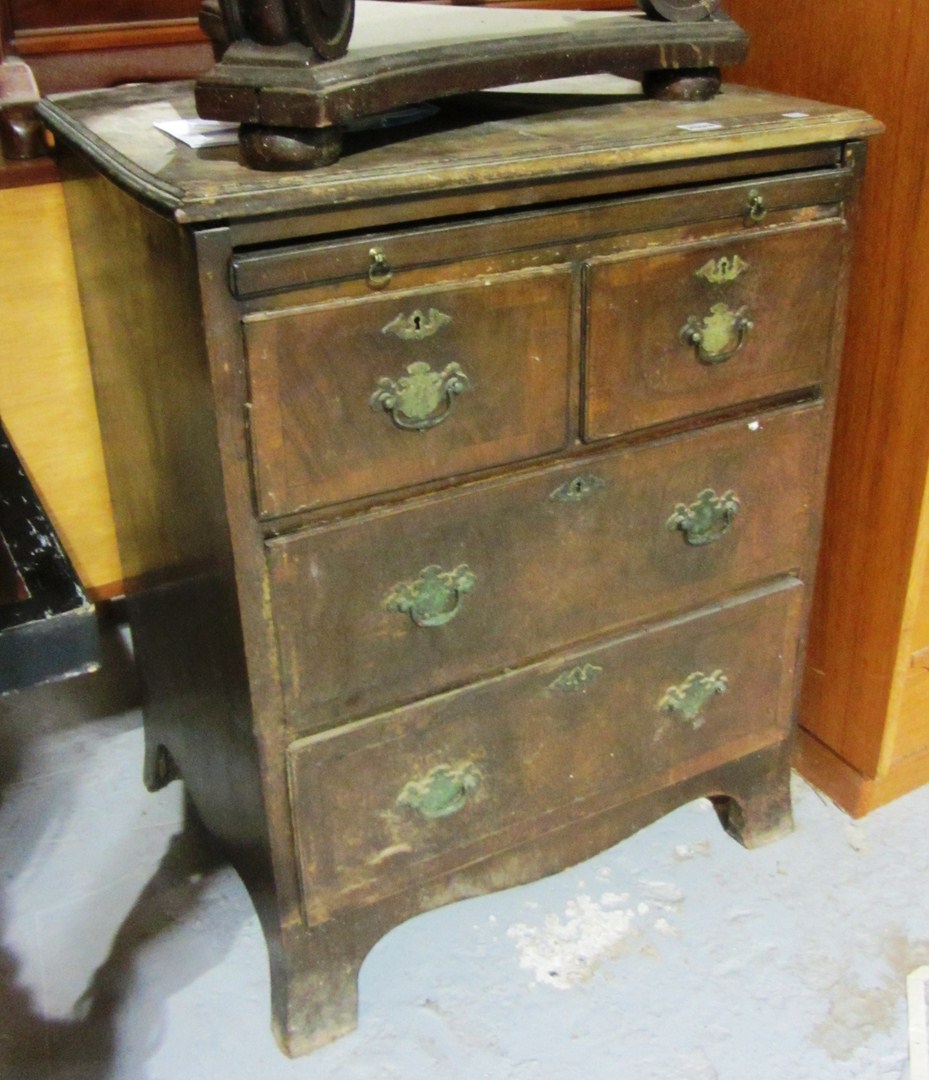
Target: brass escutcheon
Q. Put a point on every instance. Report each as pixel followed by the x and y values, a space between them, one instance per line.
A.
pixel 577 679
pixel 722 270
pixel 718 336
pixel 707 518
pixel 577 489
pixel 687 700
pixel 422 398
pixel 417 326
pixel 442 791
pixel 434 598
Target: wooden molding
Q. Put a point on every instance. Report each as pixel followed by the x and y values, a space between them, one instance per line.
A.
pixel 67 39
pixel 849 789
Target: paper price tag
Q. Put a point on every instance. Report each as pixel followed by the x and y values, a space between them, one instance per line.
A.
pixel 702 125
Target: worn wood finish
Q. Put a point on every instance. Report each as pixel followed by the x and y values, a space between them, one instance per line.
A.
pixel 270 74
pixel 556 557
pixel 768 292
pixel 275 642
pixel 154 398
pixel 487 161
pixel 518 748
pixel 876 537
pixel 572 232
pixel 498 354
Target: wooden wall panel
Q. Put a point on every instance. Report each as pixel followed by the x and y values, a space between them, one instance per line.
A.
pixel 876 57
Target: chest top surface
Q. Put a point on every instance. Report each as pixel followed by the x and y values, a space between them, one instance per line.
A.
pixel 482 147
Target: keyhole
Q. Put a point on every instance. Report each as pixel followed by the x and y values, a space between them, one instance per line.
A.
pixel 578 485
pixel 417 323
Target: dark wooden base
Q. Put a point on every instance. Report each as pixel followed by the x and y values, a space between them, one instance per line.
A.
pixel 276 92
pixel 289 148
pixel 314 971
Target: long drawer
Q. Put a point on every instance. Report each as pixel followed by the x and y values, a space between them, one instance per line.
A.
pixel 389 802
pixel 385 608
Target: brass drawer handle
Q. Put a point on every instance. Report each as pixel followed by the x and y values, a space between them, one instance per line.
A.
pixel 442 791
pixel 718 336
pixel 422 398
pixel 379 269
pixel 757 211
pixel 707 518
pixel 434 598
pixel 688 700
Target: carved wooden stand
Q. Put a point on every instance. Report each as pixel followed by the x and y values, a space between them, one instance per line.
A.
pixel 292 84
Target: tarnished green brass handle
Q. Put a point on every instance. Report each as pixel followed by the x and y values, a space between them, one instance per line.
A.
pixel 434 598
pixel 442 791
pixel 688 700
pixel 718 336
pixel 707 518
pixel 379 269
pixel 422 398
pixel 757 210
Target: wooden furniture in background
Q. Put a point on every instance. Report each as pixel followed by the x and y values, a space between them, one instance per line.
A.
pixel 46 394
pixel 487 466
pixel 48 630
pixel 46 397
pixel 865 708
pixel 81 44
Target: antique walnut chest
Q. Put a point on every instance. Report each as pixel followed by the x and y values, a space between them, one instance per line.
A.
pixel 486 468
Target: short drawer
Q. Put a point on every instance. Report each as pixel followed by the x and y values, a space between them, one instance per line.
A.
pixel 388 802
pixel 696 329
pixel 412 600
pixel 355 397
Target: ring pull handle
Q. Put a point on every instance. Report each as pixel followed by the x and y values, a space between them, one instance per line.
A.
pixel 716 337
pixel 443 791
pixel 757 211
pixel 422 398
pixel 707 518
pixel 379 269
pixel 434 598
pixel 687 700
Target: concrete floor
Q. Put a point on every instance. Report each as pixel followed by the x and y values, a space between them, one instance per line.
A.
pixel 129 951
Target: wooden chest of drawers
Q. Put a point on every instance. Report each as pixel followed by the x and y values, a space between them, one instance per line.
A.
pixel 486 467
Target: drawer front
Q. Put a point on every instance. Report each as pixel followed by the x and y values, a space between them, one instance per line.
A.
pixel 389 607
pixel 698 329
pixel 356 397
pixel 388 802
